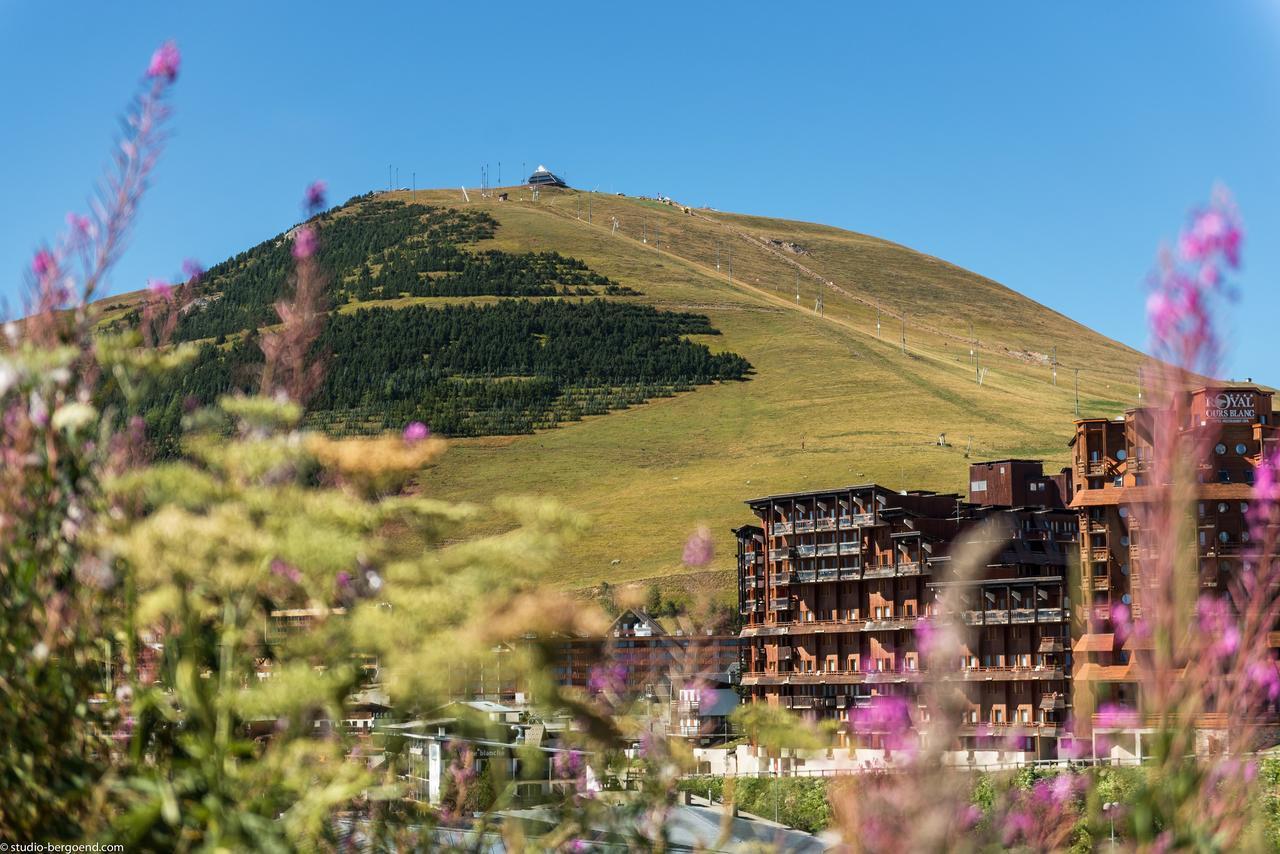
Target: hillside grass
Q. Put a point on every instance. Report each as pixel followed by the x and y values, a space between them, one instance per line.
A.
pixel 829 403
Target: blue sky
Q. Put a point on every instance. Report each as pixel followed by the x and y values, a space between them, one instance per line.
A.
pixel 1050 147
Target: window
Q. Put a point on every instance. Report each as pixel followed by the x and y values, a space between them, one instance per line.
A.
pixel 1242 449
pixel 977 485
pixel 1118 481
pixel 1223 536
pixel 1223 507
pixel 1219 449
pixel 1121 455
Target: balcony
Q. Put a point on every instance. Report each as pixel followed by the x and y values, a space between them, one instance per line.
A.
pixel 877 572
pixel 826 550
pixel 1049 615
pixel 850 548
pixel 850 573
pixel 826 523
pixel 784 577
pixel 804 526
pixel 855 520
pixel 1096 527
pixel 1094 468
pixel 804 551
pixel 753 582
pixel 751 606
pixel 1100 582
pixel 806 576
pixel 997 618
pixel 973 618
pixel 1005 674
pixel 830 574
pixel 1050 645
pixel 1022 615
pixel 831 677
pixel 912 568
pixel 780 554
pixel 780 528
pixel 780 604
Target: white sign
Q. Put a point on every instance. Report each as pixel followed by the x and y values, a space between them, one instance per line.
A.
pixel 1231 407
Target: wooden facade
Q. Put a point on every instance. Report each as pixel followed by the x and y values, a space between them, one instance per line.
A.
pixel 833 585
pixel 1115 478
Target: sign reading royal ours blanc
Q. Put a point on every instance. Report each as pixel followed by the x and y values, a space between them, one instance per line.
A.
pixel 1231 407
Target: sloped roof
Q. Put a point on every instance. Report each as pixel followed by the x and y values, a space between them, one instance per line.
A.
pixel 1094 643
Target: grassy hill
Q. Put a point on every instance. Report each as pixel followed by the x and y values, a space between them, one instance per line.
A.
pixel 830 400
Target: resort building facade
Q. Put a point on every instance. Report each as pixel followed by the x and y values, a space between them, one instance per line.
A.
pixel 833 585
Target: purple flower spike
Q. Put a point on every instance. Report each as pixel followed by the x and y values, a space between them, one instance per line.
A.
pixel 699 550
pixel 160 288
pixel 42 263
pixel 165 62
pixel 193 270
pixel 304 243
pixel 315 196
pixel 416 431
pixel 286 571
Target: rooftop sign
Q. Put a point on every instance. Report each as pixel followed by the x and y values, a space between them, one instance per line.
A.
pixel 1231 407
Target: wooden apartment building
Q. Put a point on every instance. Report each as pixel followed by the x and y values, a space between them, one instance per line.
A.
pixel 833 585
pixel 1113 474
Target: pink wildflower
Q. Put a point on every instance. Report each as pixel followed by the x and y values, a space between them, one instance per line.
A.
pixel 416 431
pixel 43 263
pixel 607 678
pixel 81 226
pixel 1266 679
pixel 699 549
pixel 1120 622
pixel 1213 230
pixel 888 717
pixel 1116 716
pixel 160 288
pixel 285 571
pixel 1217 623
pixel 926 637
pixel 164 62
pixel 1017 824
pixel 304 243
pixel 315 196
